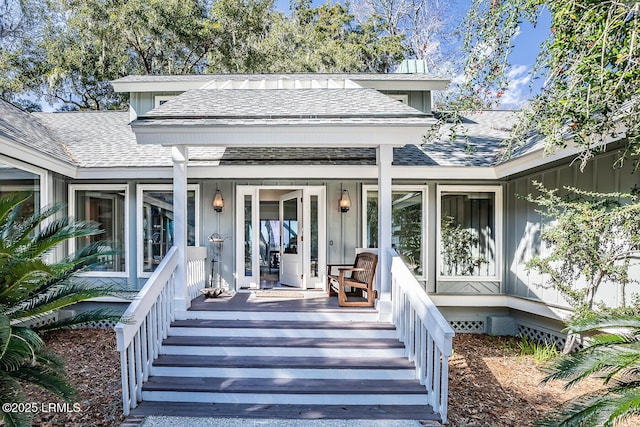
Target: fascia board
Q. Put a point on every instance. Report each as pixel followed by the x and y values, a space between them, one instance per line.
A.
pixel 164 86
pixel 539 308
pixel 533 160
pixel 444 172
pixel 417 85
pixel 285 172
pixel 36 158
pixel 540 158
pixel 280 136
pixel 126 172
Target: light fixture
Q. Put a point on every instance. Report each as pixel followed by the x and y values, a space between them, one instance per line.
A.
pixel 345 202
pixel 218 201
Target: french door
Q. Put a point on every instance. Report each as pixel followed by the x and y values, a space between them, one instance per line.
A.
pixel 302 218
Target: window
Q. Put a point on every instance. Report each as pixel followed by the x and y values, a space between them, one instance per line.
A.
pixel 14 180
pixel 469 232
pixel 155 223
pixel 106 205
pixel 401 97
pixel 408 217
pixel 158 100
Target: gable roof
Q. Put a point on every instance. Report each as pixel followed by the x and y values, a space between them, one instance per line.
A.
pixel 21 127
pixel 283 104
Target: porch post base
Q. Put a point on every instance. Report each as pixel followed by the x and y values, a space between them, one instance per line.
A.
pixel 180 311
pixel 384 308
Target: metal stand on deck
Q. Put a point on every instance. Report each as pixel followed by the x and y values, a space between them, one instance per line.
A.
pixel 216 251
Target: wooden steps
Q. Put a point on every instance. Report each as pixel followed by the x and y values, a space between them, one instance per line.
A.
pixel 274 358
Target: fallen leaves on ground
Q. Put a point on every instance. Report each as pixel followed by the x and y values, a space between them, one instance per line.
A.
pixel 492 384
pixel 93 367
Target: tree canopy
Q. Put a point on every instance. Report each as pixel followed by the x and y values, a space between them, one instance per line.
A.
pixel 67 51
pixel 590 64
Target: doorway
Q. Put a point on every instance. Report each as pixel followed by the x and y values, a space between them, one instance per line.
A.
pixel 280 232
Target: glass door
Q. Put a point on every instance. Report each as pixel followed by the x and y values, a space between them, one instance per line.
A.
pixel 291 239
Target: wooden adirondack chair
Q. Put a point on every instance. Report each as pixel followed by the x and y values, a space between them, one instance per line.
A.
pixel 358 277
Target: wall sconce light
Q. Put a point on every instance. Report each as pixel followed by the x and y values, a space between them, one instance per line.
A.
pixel 218 201
pixel 345 202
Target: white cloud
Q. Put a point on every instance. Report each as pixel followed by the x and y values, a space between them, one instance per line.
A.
pixel 517 94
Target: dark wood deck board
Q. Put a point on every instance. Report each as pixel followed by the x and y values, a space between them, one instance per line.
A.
pixel 282 385
pixel 279 324
pixel 200 341
pixel 242 301
pixel 218 410
pixel 282 362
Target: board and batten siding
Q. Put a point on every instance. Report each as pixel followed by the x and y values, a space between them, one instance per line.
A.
pixel 523 224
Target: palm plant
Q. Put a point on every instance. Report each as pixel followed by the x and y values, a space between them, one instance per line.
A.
pixel 613 357
pixel 31 287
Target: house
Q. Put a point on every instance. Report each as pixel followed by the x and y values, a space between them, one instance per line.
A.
pixel 279 175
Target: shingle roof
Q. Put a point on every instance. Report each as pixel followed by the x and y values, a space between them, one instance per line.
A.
pixel 283 104
pixel 299 156
pixel 478 142
pixel 290 76
pixel 105 139
pixel 20 126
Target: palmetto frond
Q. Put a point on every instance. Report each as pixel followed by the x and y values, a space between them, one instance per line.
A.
pixel 613 357
pixel 11 392
pixel 83 318
pixel 29 287
pixel 47 372
pixel 55 298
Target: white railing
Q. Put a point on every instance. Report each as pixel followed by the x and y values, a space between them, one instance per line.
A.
pixel 147 320
pixel 426 334
pixel 196 270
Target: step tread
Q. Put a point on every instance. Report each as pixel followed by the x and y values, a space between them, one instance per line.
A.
pixel 280 324
pixel 200 341
pixel 295 412
pixel 282 385
pixel 283 362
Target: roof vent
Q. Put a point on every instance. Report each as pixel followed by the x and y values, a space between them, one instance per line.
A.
pixel 413 66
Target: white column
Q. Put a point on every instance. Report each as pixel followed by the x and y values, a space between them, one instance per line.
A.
pixel 385 159
pixel 180 155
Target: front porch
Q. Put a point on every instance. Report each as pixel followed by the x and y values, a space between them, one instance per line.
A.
pixel 299 354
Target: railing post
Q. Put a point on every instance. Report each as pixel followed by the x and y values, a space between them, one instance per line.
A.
pixel 180 155
pixel 426 334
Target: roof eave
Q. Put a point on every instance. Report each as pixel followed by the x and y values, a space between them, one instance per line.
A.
pixel 281 136
pixel 37 158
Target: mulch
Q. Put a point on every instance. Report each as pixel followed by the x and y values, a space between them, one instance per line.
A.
pixel 491 384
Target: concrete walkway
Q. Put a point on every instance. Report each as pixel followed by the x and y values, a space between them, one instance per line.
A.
pixel 164 421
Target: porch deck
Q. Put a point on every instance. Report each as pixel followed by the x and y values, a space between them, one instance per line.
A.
pixel 288 301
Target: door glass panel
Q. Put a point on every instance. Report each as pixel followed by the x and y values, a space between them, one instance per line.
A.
pixel 313 235
pixel 248 238
pixel 290 226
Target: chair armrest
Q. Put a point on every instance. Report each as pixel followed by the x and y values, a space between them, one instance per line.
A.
pixel 339 265
pixel 352 269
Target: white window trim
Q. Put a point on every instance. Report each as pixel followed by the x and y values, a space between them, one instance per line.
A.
pixel 159 98
pixel 73 188
pixel 425 218
pixel 498 221
pixel 141 188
